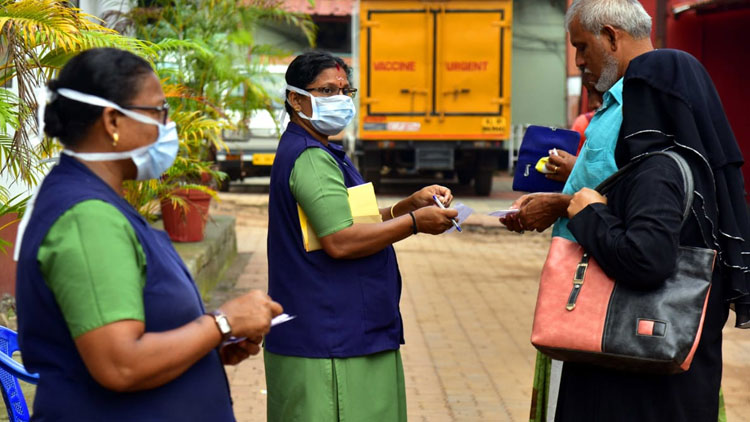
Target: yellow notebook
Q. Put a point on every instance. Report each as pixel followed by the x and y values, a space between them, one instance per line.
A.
pixel 364 208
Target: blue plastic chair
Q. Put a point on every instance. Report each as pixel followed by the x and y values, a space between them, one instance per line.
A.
pixel 10 372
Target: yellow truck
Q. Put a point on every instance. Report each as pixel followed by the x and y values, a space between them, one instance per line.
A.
pixel 434 88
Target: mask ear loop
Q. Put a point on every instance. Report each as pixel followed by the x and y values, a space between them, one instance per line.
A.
pixel 315 114
pixel 284 114
pixel 44 96
pixel 101 102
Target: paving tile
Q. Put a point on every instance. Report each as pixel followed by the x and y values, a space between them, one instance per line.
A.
pixel 467 305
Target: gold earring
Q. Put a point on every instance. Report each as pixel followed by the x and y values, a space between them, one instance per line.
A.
pixel 115 138
pixel 297 109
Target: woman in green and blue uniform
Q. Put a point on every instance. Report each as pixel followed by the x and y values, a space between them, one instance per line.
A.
pixel 339 359
pixel 108 314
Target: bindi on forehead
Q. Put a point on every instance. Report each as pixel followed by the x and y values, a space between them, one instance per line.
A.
pixel 335 76
pixel 341 76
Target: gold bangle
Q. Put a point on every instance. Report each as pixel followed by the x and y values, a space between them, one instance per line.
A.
pixel 392 216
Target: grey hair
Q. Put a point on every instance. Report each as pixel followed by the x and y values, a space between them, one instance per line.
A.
pixel 628 15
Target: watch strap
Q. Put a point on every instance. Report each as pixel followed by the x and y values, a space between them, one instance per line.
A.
pixel 222 323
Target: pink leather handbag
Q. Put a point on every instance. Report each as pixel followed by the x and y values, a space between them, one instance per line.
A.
pixel 583 315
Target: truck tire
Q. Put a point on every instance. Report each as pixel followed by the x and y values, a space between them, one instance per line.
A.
pixel 370 165
pixel 224 184
pixel 483 182
pixel 465 176
pixel 374 177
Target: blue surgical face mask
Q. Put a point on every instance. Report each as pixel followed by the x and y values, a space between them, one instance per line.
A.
pixel 330 115
pixel 151 160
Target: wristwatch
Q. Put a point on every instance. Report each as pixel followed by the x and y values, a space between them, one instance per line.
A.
pixel 222 321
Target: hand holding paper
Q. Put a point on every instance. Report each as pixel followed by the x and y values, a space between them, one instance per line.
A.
pixel 440 204
pixel 504 213
pixel 279 319
pixel 463 213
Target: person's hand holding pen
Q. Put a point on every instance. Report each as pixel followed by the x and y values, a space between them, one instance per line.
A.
pixel 424 197
pixel 430 209
pixel 440 204
pixel 428 216
pixel 434 220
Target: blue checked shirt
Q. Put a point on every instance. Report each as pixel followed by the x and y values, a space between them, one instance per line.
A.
pixel 596 160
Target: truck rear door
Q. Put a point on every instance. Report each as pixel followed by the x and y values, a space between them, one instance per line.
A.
pixel 469 67
pixel 435 70
pixel 398 51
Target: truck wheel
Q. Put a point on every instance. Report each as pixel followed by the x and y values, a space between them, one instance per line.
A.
pixel 374 177
pixel 224 184
pixel 483 182
pixel 465 176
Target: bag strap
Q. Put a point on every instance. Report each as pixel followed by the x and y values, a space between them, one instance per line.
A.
pixel 606 185
pixel 687 177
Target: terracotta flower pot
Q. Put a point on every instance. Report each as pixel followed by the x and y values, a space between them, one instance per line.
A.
pixel 186 224
pixel 7 264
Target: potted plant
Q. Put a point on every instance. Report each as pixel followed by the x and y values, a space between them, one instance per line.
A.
pixel 183 194
pixel 187 187
pixel 11 212
pixel 209 65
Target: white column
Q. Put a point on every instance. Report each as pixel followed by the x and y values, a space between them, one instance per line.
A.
pixel 100 8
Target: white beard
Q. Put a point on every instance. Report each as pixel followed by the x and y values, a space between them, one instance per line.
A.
pixel 609 74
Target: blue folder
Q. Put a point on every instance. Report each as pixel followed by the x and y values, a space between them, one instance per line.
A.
pixel 537 141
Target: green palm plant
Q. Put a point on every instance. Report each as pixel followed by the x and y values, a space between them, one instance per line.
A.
pixel 211 64
pixel 15 205
pixel 222 67
pixel 39 37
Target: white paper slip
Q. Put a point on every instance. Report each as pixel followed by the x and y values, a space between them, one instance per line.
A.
pixel 463 213
pixel 503 213
pixel 280 319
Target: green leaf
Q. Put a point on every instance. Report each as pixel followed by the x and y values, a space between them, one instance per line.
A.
pixel 39 37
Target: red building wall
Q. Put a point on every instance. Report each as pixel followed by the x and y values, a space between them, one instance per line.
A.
pixel 720 41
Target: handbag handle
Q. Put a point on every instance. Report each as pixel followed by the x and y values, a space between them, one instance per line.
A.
pixel 606 185
pixel 687 177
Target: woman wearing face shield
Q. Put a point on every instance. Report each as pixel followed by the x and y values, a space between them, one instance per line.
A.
pixel 339 359
pixel 108 314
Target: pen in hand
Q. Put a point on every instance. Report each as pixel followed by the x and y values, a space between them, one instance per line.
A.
pixel 440 204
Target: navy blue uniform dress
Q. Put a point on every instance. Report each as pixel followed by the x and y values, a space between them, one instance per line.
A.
pixel 344 307
pixel 66 390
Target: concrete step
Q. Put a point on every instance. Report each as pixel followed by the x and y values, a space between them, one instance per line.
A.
pixel 208 259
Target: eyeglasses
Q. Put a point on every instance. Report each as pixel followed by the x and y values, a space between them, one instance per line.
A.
pixel 331 90
pixel 163 109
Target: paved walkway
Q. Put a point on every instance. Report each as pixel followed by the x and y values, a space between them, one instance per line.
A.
pixel 467 306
